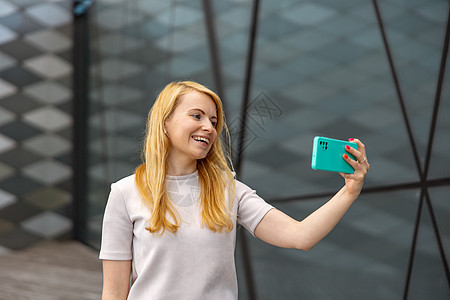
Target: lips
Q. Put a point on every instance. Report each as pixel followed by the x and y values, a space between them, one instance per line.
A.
pixel 201 139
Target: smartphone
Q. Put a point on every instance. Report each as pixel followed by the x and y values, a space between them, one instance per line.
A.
pixel 327 155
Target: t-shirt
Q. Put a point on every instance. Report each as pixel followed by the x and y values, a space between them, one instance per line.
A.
pixel 195 262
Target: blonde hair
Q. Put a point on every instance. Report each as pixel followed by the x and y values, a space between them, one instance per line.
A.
pixel 214 173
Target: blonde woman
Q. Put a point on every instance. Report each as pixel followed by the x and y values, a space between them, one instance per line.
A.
pixel 169 230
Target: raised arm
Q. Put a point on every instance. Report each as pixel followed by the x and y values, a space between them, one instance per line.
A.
pixel 279 229
pixel 116 279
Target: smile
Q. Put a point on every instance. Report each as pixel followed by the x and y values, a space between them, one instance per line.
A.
pixel 201 139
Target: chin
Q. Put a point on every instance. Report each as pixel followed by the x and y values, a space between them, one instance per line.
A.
pixel 201 155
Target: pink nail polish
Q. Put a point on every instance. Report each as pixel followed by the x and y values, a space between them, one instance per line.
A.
pixel 347 147
pixel 351 139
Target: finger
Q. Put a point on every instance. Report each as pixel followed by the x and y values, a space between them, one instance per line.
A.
pixel 350 161
pixel 361 146
pixel 358 155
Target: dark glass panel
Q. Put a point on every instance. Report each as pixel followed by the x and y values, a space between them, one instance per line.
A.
pixel 364 257
pixel 441 208
pixel 415 32
pixel 321 69
pixel 440 158
pixel 428 280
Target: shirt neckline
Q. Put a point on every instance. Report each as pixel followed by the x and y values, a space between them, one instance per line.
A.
pixel 182 177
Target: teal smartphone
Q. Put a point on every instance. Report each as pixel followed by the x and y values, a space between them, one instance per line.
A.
pixel 327 155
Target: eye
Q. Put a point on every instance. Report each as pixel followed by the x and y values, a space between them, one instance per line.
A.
pixel 214 123
pixel 196 116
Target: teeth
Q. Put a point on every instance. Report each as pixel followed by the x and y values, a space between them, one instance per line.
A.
pixel 201 139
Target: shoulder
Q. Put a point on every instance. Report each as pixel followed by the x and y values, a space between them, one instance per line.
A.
pixel 125 185
pixel 242 189
pixel 239 186
pixel 125 192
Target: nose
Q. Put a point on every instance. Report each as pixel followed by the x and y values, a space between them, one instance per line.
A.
pixel 208 126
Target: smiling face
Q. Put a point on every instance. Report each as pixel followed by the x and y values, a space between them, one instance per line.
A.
pixel 191 129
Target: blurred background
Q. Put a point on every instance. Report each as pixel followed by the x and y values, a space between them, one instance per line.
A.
pixel 77 79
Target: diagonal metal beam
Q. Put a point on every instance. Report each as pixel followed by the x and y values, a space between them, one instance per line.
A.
pixel 411 140
pixel 398 89
pixel 437 98
pixel 242 132
pixel 423 174
pixel 214 50
pixel 431 135
pixel 247 84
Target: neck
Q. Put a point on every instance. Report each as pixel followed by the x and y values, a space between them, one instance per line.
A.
pixel 180 168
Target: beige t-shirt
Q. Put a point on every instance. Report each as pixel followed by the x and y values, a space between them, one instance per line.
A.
pixel 195 263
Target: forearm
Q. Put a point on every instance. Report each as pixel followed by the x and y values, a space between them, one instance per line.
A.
pixel 113 296
pixel 318 224
pixel 280 230
pixel 116 279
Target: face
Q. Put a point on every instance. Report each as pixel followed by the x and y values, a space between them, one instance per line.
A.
pixel 191 128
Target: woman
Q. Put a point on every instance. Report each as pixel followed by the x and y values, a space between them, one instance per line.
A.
pixel 171 226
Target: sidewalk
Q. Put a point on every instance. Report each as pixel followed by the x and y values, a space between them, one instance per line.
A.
pixel 50 271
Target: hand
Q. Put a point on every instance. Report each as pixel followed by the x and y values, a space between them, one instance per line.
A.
pixel 354 182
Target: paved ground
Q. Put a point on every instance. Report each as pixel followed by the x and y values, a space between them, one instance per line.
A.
pixel 50 271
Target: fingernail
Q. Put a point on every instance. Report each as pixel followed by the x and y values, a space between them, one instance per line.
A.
pixel 347 147
pixel 345 156
pixel 351 139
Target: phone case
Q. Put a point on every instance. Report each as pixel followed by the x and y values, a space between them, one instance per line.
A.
pixel 327 155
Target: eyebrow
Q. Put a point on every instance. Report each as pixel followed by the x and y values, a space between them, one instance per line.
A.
pixel 213 117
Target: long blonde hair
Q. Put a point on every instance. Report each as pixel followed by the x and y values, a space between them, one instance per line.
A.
pixel 214 174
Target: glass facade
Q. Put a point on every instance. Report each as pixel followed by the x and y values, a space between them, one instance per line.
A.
pixel 35 122
pixel 368 69
pixel 363 258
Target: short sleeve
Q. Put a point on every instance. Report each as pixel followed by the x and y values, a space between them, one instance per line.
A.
pixel 117 231
pixel 251 207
